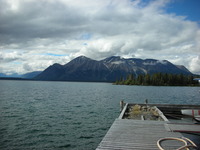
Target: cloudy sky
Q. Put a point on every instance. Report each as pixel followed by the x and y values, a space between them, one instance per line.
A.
pixel 37 33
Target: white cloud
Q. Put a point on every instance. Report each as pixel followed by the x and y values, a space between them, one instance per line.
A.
pixel 95 28
pixel 195 64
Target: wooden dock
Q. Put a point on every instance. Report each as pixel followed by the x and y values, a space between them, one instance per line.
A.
pixel 129 134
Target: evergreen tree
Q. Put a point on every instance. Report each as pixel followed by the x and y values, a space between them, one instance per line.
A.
pixel 158 79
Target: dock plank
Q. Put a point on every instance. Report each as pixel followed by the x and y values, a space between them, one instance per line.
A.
pixel 136 134
pixel 193 128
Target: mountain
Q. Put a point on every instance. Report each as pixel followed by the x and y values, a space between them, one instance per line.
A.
pixel 107 70
pixel 53 72
pixel 79 69
pixel 30 75
pixel 183 68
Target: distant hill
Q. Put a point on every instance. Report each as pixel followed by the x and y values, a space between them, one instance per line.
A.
pixel 107 70
pixel 14 75
pixel 3 75
pixel 30 75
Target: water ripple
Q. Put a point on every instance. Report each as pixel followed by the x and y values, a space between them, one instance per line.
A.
pixel 69 115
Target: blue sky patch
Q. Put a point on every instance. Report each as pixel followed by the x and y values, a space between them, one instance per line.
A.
pixel 52 54
pixel 86 36
pixel 16 62
pixel 188 8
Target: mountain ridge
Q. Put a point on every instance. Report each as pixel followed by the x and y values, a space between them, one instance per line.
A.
pixel 109 69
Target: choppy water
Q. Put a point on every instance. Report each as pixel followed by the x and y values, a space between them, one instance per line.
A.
pixel 71 115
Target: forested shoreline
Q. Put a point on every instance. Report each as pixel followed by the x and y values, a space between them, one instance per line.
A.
pixel 159 79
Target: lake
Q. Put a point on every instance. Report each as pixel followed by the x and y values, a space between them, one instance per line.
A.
pixel 71 115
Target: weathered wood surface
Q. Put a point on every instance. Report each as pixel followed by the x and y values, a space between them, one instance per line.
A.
pixel 178 127
pixel 123 111
pixel 170 106
pixel 127 134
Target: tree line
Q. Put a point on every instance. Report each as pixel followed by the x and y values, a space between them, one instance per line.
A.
pixel 158 79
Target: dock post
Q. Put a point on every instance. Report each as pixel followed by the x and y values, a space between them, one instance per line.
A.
pixel 121 105
pixel 146 102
